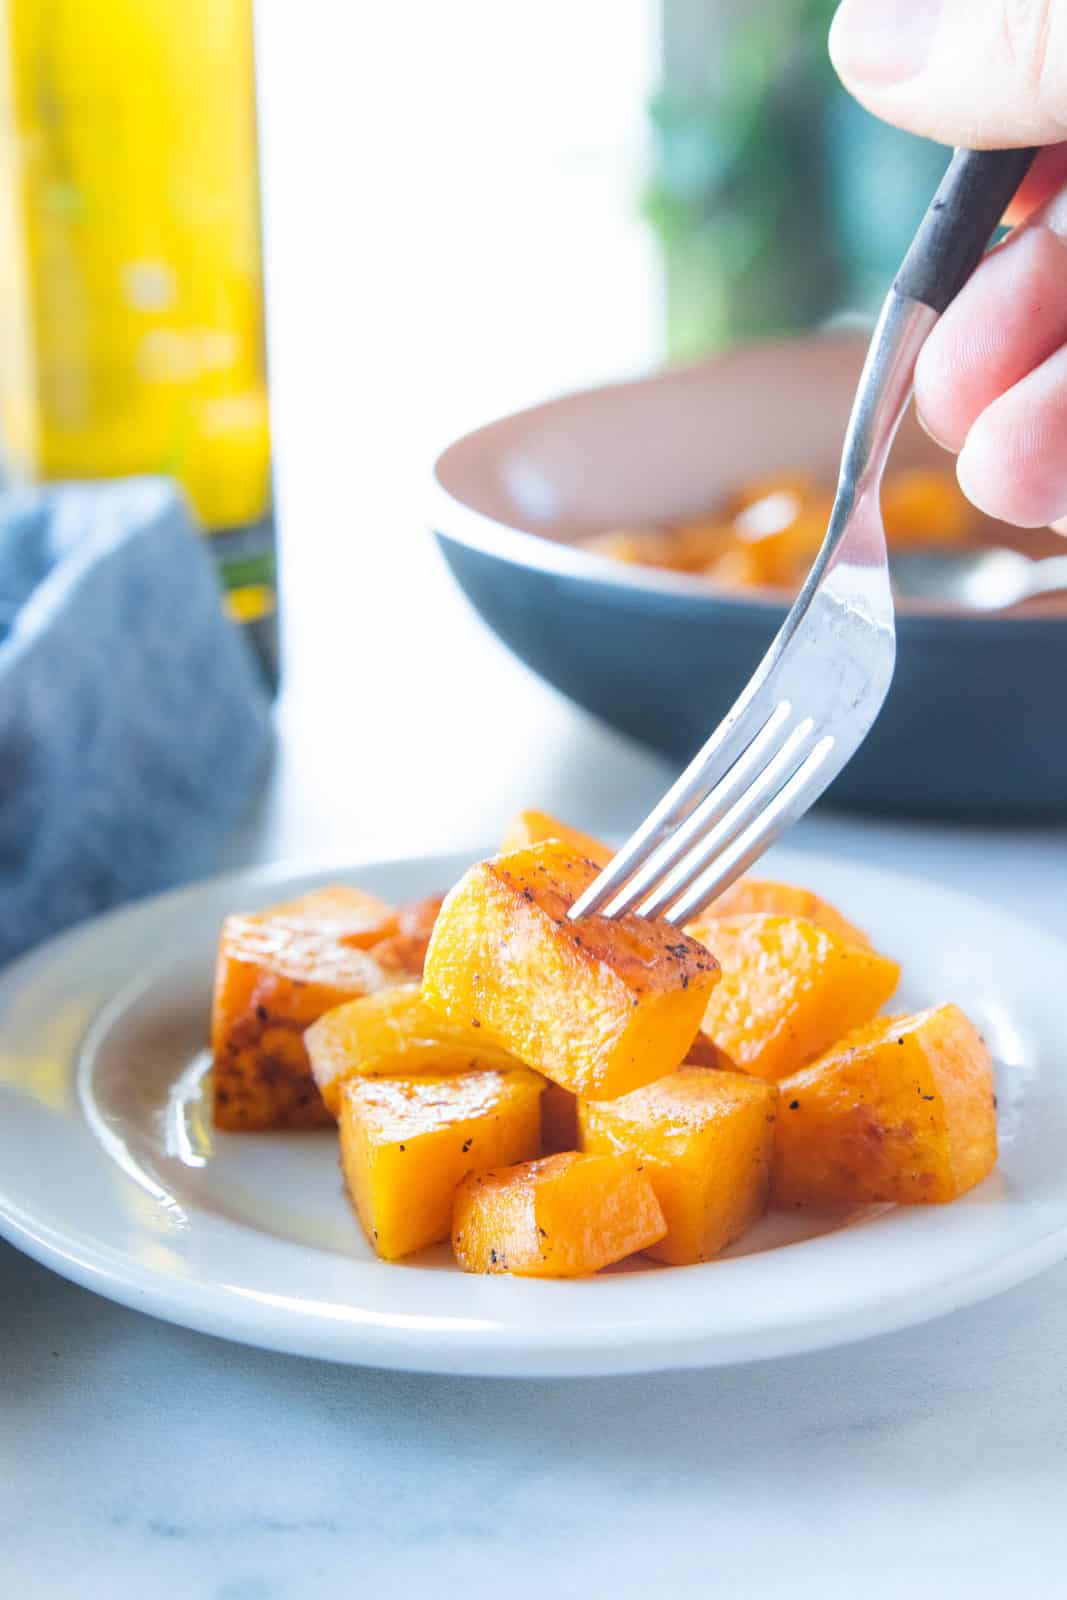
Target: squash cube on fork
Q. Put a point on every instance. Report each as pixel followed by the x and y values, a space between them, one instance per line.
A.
pixel 599 1006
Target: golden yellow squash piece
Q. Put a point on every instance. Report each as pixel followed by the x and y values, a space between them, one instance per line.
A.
pixel 925 508
pixel 565 1216
pixel 559 1107
pixel 534 827
pixel 277 972
pixel 599 1006
pixel 403 953
pixel 706 1140
pixel 761 896
pixel 789 989
pixel 901 1110
pixel 407 1142
pixel 643 547
pixel 392 1034
pixel 780 535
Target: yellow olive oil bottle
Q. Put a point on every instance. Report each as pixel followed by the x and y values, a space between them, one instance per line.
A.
pixel 131 294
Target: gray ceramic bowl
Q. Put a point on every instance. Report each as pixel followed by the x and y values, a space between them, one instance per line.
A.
pixel 976 721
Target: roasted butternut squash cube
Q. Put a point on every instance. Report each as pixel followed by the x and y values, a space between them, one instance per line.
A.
pixel 782 536
pixel 704 1052
pixel 706 1141
pixel 760 896
pixel 925 508
pixel 788 990
pixel 565 1216
pixel 800 487
pixel 534 827
pixel 407 1142
pixel 698 543
pixel 901 1110
pixel 393 1034
pixel 347 916
pixel 402 955
pixel 559 1119
pixel 736 568
pixel 598 1006
pixel 641 547
pixel 418 917
pixel 277 972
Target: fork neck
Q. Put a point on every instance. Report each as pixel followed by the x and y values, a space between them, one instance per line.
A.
pixel 882 395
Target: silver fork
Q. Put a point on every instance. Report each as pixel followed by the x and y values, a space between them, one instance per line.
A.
pixel 815 694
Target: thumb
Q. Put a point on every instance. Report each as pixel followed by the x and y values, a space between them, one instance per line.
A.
pixel 982 73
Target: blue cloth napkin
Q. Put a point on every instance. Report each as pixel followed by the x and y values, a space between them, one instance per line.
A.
pixel 134 723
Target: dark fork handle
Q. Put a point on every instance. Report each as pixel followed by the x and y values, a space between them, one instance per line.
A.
pixel 971 198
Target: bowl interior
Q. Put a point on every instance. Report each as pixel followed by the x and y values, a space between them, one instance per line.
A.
pixel 674 446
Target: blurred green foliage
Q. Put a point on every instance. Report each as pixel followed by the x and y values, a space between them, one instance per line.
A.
pixel 777 201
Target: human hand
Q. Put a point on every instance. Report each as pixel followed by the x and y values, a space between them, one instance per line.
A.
pixel 991 382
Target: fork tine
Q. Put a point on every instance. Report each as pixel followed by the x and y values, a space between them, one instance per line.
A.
pixel 832 658
pixel 791 801
pixel 717 837
pixel 705 770
pixel 663 856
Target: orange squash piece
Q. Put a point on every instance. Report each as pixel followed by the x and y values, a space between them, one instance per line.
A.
pixel 392 1034
pixel 407 1142
pixel 642 547
pixel 416 919
pixel 735 568
pixel 782 535
pixel 683 547
pixel 559 1119
pixel 403 954
pixel 706 1141
pixel 698 543
pixel 789 989
pixel 704 1052
pixel 761 896
pixel 901 1110
pixel 598 1006
pixel 349 917
pixel 534 827
pixel 925 508
pixel 277 972
pixel 565 1216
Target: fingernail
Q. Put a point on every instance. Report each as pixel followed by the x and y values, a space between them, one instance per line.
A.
pixel 882 41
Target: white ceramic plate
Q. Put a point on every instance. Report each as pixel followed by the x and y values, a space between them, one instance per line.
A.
pixel 111 1173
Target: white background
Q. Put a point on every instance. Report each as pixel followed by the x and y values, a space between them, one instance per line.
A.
pixel 452 231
